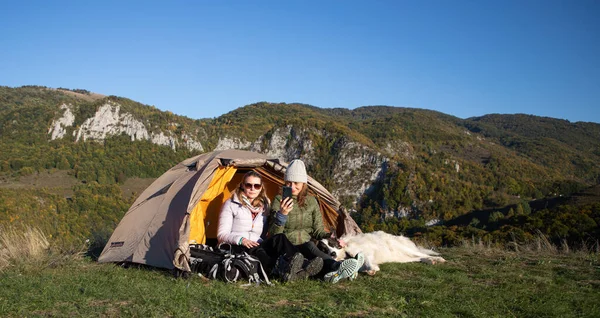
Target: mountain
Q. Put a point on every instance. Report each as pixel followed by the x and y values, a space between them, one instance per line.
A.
pixel 384 162
pixel 550 142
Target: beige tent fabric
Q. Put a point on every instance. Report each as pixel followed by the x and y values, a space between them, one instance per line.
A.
pixel 155 230
pixel 149 233
pixel 182 253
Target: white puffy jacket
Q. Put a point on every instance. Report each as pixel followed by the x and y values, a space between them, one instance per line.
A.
pixel 235 222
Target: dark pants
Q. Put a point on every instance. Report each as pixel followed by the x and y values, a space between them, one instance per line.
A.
pixel 269 250
pixel 310 250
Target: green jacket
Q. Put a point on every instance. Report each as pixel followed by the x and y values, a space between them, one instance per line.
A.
pixel 301 224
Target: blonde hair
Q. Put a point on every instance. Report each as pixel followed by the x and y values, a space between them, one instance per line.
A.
pixel 261 199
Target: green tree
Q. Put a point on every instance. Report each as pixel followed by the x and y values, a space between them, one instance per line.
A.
pixel 496 216
pixel 63 164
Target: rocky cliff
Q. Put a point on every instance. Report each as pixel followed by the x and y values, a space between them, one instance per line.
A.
pixel 109 120
pixel 351 168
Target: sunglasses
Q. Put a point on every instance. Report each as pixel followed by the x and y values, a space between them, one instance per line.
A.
pixel 257 186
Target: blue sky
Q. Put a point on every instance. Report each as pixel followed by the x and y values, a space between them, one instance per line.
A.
pixel 202 59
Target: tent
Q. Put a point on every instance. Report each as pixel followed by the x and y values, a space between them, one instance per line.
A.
pixel 182 207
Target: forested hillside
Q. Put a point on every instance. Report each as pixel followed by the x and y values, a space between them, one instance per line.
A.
pixel 403 170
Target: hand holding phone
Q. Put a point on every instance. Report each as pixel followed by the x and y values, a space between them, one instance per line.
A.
pixel 286 193
pixel 286 200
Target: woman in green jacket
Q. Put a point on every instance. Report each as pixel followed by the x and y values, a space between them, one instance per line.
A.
pixel 300 219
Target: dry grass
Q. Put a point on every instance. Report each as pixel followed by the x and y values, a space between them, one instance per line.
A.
pixel 27 249
pixel 22 245
pixel 540 245
pixel 88 97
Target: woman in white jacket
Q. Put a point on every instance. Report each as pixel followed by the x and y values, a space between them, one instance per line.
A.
pixel 242 225
pixel 243 216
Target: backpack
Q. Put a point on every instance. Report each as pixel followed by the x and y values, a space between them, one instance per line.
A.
pixel 227 266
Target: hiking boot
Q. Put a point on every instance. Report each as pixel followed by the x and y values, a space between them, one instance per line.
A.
pixel 311 268
pixel 288 269
pixel 360 258
pixel 347 269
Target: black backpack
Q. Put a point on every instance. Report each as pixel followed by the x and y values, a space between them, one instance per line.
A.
pixel 227 266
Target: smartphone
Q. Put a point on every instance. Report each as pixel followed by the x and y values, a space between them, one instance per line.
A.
pixel 287 192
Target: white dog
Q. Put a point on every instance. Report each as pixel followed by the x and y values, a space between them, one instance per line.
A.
pixel 379 247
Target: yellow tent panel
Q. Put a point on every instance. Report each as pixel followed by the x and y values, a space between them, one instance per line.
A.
pixel 204 216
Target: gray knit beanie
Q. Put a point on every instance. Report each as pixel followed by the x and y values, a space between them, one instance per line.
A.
pixel 296 172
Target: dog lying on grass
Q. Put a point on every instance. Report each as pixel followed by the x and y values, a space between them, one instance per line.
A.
pixel 379 247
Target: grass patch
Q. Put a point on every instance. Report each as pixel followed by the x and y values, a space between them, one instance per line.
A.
pixel 474 282
pixel 56 181
pixel 25 249
pixel 135 186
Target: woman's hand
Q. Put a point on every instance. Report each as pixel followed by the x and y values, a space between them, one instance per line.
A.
pixel 286 206
pixel 249 243
pixel 341 242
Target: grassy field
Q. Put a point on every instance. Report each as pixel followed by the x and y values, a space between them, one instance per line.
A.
pixel 474 282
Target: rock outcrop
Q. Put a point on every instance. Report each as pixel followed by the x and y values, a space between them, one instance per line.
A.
pixel 110 121
pixel 58 129
pixel 231 143
pixel 356 168
pixel 286 143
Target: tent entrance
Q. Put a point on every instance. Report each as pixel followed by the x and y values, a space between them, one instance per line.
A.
pixel 204 218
